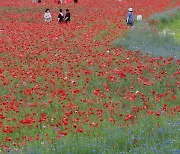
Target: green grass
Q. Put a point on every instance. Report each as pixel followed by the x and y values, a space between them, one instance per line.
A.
pixel 159 36
pixel 140 138
pixel 167 20
pixel 174 28
pixel 142 134
pixel 149 41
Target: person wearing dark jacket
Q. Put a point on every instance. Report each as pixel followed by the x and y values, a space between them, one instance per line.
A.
pixel 60 16
pixel 75 1
pixel 67 16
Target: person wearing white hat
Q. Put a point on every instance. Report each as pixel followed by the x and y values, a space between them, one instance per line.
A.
pixel 130 17
pixel 130 9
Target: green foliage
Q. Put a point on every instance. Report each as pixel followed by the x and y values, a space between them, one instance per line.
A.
pixel 169 20
pixel 149 40
pixel 40 92
pixel 166 17
pixel 160 36
pixel 174 28
pixel 141 138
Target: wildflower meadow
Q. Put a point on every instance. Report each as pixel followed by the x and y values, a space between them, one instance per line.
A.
pixel 94 85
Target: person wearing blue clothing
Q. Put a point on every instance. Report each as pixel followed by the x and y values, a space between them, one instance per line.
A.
pixel 130 17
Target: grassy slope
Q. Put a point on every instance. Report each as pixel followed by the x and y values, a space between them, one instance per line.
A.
pixel 151 39
pixel 169 20
pixel 174 27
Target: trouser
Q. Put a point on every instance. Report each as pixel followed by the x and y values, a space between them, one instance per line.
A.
pixel 34 1
pixel 67 21
pixel 47 20
pixel 131 24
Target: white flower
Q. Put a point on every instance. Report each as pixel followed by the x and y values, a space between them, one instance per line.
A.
pixel 137 92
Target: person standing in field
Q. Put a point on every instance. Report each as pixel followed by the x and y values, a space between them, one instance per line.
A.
pixel 60 16
pixel 33 1
pixel 130 17
pixel 67 16
pixel 75 1
pixel 47 16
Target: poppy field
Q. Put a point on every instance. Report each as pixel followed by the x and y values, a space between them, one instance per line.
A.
pixel 65 88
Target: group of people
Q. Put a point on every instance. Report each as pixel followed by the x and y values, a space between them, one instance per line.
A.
pixel 66 17
pixel 34 1
pixel 65 1
pixel 62 17
pixel 57 1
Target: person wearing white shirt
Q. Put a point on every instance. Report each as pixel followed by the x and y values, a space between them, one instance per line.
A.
pixel 47 16
pixel 60 16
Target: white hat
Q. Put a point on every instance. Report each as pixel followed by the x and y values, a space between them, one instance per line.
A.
pixel 130 9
